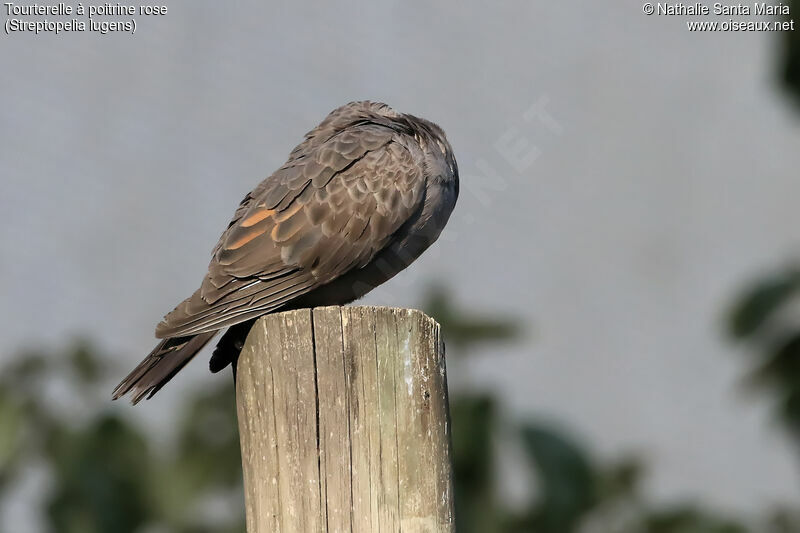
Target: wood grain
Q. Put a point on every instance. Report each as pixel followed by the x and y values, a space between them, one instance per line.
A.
pixel 344 423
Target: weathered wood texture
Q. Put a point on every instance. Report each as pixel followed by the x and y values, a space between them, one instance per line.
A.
pixel 344 423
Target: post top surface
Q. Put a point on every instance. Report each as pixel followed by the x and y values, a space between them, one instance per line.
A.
pixel 377 309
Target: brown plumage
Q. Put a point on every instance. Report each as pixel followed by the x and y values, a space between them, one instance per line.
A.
pixel 363 195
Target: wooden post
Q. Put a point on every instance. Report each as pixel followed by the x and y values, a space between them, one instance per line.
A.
pixel 344 422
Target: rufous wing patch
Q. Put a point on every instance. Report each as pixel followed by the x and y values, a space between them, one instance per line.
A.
pixel 257 217
pixel 244 239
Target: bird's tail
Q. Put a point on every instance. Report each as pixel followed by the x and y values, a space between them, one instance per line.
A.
pixel 166 359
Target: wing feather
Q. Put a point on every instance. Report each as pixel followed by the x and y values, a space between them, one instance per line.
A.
pixel 331 208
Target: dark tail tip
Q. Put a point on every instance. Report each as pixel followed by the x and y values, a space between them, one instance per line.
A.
pixel 167 359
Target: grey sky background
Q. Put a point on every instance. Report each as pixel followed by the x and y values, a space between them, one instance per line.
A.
pixel 666 178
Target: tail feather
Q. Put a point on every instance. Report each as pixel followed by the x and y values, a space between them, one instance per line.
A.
pixel 166 359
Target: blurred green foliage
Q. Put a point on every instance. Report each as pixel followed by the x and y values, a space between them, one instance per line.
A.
pixel 765 317
pixel 790 57
pixel 466 330
pixel 109 475
pixel 571 490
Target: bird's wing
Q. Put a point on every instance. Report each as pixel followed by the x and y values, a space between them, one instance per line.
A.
pixel 330 209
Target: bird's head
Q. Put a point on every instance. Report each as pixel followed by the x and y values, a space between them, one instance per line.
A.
pixel 440 162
